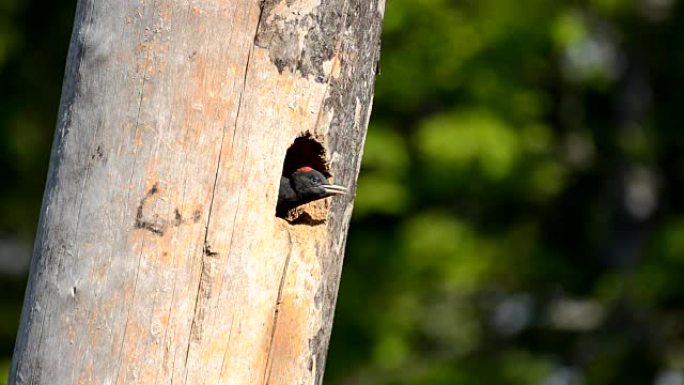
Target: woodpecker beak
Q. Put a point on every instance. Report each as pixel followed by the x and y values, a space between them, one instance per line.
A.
pixel 333 189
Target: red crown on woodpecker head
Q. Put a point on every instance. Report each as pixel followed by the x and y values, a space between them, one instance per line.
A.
pixel 305 169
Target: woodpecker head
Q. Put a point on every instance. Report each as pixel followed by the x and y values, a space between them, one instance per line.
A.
pixel 303 186
pixel 311 185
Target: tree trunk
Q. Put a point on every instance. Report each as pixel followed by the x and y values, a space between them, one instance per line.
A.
pixel 159 258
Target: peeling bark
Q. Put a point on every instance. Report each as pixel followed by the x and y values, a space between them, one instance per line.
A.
pixel 158 257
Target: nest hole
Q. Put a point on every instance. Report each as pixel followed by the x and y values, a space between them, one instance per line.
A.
pixel 305 151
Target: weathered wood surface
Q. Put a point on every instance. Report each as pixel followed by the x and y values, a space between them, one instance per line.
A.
pixel 158 258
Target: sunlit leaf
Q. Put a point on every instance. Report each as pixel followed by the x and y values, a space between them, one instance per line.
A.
pixel 469 138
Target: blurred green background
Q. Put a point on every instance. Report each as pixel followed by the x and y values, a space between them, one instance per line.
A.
pixel 516 220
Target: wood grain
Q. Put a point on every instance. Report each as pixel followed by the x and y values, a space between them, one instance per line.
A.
pixel 158 257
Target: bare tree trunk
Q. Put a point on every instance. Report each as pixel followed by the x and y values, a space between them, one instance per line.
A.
pixel 159 258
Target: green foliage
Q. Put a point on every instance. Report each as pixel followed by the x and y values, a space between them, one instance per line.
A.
pixel 516 216
pixel 473 138
pixel 4 371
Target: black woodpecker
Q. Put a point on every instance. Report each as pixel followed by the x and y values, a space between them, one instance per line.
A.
pixel 303 186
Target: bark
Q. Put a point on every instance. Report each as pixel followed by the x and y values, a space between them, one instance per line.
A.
pixel 159 258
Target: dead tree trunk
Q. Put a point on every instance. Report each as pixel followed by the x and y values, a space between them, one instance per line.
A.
pixel 159 258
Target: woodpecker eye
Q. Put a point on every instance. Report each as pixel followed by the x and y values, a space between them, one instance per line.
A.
pixel 315 180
